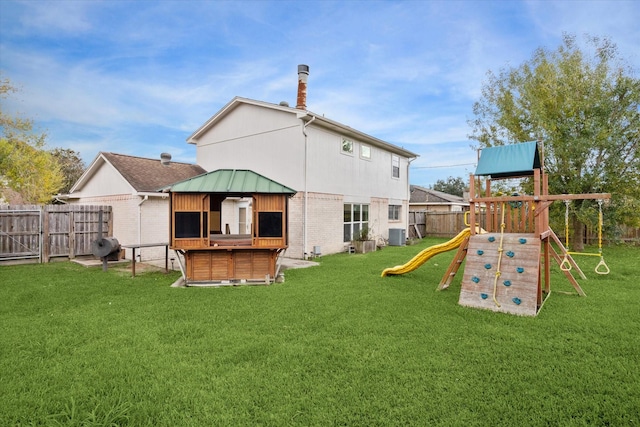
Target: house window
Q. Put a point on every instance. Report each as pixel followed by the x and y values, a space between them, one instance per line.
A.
pixel 190 225
pixel 356 220
pixel 365 151
pixel 394 212
pixel 395 166
pixel 347 146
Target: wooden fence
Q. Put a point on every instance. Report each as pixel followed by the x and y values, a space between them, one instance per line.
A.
pixel 44 232
pixel 448 224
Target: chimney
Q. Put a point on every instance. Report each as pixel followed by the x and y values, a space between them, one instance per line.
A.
pixel 303 75
pixel 165 158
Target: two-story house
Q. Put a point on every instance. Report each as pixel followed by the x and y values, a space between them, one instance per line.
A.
pixel 347 181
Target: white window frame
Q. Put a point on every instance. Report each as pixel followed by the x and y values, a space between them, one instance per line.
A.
pixel 365 148
pixel 395 166
pixel 395 212
pixel 354 222
pixel 346 146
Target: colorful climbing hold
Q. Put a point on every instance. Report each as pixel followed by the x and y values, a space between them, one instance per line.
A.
pixel 507 283
pixel 510 254
pixel 516 300
pixel 480 252
pixel 475 279
pixel 487 266
pixel 522 240
pixel 484 296
pixel 491 239
pixel 520 270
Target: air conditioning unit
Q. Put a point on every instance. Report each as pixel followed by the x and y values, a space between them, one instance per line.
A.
pixel 397 236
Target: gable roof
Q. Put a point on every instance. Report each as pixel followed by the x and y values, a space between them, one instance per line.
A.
pixel 230 181
pixel 427 195
pixel 143 174
pixel 305 115
pixel 507 161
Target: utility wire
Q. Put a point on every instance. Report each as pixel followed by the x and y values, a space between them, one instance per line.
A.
pixel 444 166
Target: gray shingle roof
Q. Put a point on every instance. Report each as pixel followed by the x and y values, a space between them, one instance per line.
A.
pixel 149 175
pixel 423 195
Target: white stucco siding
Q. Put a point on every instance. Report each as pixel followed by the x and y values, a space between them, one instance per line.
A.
pixel 268 142
pixel 332 171
pixel 105 181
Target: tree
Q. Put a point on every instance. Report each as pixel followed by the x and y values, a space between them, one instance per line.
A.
pixel 585 108
pixel 71 166
pixel 455 186
pixel 26 167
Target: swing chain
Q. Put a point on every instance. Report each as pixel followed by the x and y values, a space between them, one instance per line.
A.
pixel 602 267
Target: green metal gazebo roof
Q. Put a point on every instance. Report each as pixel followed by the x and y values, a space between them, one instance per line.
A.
pixel 235 181
pixel 507 161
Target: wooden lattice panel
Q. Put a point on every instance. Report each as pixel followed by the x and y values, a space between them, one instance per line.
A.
pixel 516 289
pixel 230 264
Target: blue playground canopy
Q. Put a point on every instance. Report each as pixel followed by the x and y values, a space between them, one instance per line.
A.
pixel 509 161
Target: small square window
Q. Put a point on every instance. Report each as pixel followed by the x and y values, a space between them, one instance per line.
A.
pixel 365 151
pixel 347 146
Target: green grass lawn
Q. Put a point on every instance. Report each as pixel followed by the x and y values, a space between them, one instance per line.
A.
pixel 333 345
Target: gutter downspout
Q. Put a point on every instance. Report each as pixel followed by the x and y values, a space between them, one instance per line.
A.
pixel 146 197
pixel 305 208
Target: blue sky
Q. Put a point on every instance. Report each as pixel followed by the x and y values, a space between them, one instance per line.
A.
pixel 138 77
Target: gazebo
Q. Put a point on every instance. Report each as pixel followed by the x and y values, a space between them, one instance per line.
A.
pixel 212 253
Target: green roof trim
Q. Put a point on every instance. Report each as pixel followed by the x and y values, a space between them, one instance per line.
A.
pixel 508 161
pixel 235 181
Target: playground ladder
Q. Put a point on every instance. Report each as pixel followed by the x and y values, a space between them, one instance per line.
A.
pixel 455 265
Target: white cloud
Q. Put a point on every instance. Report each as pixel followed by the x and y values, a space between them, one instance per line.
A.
pixel 53 17
pixel 101 73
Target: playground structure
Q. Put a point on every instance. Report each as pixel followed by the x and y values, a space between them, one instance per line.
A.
pixel 508 245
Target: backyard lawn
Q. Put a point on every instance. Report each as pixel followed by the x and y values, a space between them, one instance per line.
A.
pixel 333 345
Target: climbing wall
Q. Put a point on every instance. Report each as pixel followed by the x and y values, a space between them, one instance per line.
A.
pixel 516 289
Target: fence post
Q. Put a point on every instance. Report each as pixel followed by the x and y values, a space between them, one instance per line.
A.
pixel 72 234
pixel 45 247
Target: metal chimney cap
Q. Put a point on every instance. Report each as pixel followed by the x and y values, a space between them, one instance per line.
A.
pixel 303 69
pixel 165 158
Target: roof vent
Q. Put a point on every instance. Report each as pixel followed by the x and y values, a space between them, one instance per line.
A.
pixel 165 158
pixel 284 104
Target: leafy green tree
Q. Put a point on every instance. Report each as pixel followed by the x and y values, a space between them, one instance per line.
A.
pixel 71 166
pixel 585 108
pixel 25 166
pixel 456 186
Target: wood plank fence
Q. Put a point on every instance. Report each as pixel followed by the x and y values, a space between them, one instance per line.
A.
pixel 45 232
pixel 448 224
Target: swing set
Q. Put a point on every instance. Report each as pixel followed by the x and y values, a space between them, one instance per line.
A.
pixel 565 265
